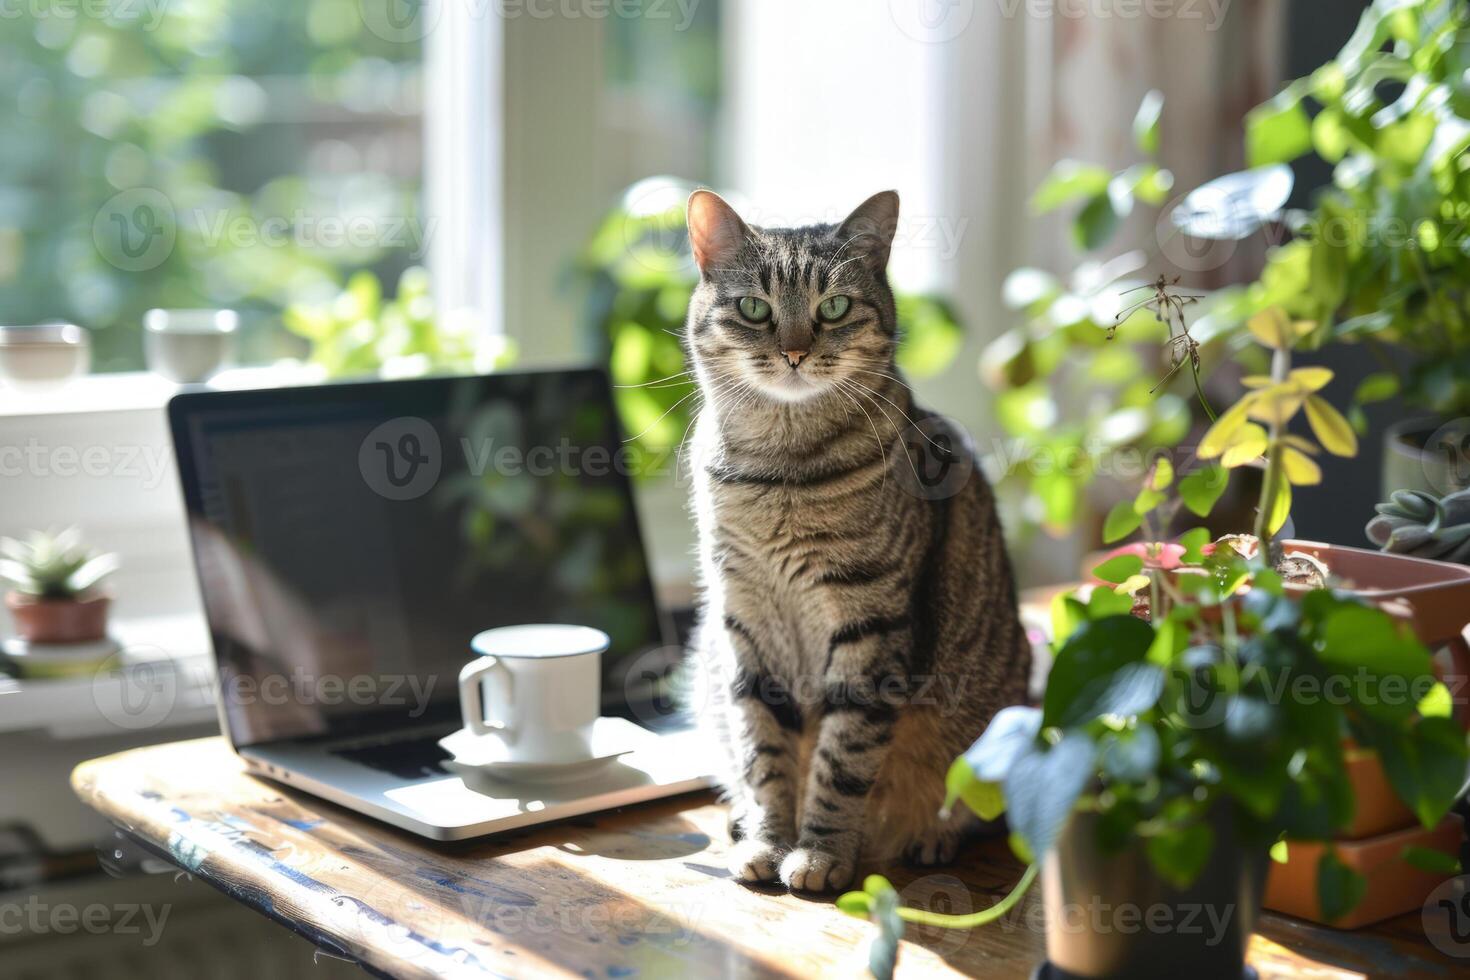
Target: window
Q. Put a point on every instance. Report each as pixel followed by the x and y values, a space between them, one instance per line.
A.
pixel 246 154
pixel 662 93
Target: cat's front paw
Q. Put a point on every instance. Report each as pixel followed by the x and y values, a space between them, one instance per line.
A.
pixel 811 869
pixel 933 847
pixel 754 860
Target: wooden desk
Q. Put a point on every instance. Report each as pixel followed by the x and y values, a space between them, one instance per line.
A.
pixel 638 893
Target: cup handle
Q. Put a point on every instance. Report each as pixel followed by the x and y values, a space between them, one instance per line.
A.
pixel 471 700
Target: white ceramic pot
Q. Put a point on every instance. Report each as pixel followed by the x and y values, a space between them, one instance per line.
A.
pixel 43 356
pixel 1426 454
pixel 188 346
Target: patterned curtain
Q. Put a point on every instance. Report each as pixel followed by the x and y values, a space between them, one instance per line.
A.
pixel 1213 62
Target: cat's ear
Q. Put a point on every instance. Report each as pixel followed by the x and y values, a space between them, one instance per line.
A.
pixel 871 227
pixel 715 230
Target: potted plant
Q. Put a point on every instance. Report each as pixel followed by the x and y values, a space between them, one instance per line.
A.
pixel 56 595
pixel 1432 596
pixel 1170 755
pixel 1199 714
pixel 1376 260
pixel 1424 525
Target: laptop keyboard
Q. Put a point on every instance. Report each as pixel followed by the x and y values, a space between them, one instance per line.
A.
pixel 415 758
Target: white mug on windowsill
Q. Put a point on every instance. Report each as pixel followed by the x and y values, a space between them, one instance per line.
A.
pixel 535 688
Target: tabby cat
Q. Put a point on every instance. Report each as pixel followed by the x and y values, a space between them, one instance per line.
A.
pixel 858 626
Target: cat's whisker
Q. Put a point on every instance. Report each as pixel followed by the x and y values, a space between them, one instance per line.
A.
pixel 721 386
pixel 903 443
pixel 738 274
pixel 842 248
pixel 876 438
pixel 843 264
pixel 648 384
pixel 880 374
pixel 847 415
pixel 901 412
pixel 654 424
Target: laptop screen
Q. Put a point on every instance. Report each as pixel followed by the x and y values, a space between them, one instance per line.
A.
pixel 351 539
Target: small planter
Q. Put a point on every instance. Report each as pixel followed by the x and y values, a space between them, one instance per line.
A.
pixel 1409 463
pixel 1111 915
pixel 1377 809
pixel 78 620
pixel 1435 597
pixel 1393 885
pixel 1438 592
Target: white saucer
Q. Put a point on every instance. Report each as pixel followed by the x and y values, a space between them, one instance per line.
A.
pixel 55 660
pixel 611 738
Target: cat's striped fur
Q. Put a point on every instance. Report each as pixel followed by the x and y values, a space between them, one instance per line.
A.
pixel 858 626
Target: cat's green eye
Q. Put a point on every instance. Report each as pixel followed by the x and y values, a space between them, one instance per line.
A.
pixel 754 310
pixel 834 308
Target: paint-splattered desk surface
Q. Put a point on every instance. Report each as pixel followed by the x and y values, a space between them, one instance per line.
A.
pixel 641 892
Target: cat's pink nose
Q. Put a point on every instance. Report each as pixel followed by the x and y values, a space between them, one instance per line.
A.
pixel 793 357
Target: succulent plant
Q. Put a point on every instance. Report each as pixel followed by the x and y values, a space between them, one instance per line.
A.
pixel 1421 524
pixel 53 566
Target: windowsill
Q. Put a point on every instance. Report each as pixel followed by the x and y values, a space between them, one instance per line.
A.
pixel 105 703
pixel 138 390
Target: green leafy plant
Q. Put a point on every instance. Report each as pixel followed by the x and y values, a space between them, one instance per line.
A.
pixel 1193 680
pixel 53 566
pixel 640 275
pixel 360 333
pixel 1382 256
pixel 218 108
pixel 1151 726
pixel 1074 380
pixel 1254 428
pixel 1414 522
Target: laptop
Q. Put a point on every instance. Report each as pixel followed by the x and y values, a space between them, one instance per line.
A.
pixel 350 539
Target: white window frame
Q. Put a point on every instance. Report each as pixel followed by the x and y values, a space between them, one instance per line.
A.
pixel 464 114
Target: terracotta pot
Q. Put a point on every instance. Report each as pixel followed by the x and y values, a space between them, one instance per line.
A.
pixel 1111 915
pixel 1394 885
pixel 78 620
pixel 1435 596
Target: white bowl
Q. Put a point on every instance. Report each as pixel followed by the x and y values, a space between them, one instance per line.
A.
pixel 188 346
pixel 44 355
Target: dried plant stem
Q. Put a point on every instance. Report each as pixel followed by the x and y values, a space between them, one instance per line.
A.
pixel 1199 389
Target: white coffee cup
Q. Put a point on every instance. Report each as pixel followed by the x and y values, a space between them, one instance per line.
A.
pixel 535 688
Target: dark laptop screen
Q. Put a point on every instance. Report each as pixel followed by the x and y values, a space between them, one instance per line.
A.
pixel 351 539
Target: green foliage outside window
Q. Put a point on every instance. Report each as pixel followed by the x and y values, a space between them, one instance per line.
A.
pixel 362 333
pixel 239 153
